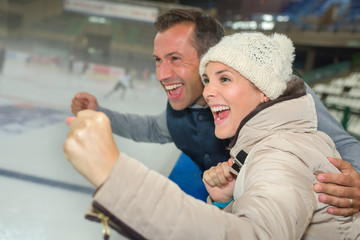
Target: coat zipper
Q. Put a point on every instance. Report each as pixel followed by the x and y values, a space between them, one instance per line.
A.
pixel 108 219
pixel 104 222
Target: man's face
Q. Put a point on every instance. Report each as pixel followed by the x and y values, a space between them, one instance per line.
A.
pixel 177 66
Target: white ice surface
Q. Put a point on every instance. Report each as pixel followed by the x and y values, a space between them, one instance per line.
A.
pixel 36 211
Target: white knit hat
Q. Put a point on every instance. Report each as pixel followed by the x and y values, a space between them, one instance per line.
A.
pixel 266 61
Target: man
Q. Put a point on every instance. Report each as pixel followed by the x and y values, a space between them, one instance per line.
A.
pixel 183 38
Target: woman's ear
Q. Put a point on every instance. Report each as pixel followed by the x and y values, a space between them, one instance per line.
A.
pixel 264 98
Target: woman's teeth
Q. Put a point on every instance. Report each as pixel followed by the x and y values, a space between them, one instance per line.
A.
pixel 219 108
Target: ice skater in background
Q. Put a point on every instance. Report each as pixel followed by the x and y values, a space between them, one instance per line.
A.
pixel 125 81
pixel 2 57
pixel 71 60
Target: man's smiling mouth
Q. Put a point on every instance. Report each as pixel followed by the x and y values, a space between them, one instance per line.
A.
pixel 172 87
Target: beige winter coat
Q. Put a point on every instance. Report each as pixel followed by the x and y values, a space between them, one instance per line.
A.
pixel 274 196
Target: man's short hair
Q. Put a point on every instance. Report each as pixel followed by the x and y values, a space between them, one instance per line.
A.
pixel 208 31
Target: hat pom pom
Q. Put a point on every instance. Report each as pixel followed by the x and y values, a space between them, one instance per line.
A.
pixel 286 45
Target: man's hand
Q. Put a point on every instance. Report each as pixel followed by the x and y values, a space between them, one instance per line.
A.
pixel 345 195
pixel 90 146
pixel 220 182
pixel 82 101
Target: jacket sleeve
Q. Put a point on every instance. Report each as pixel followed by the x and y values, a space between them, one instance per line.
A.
pixel 348 146
pixel 140 128
pixel 150 206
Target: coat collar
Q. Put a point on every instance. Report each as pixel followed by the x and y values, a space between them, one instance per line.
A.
pixel 295 113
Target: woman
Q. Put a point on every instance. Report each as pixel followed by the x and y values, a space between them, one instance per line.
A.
pixel 276 147
pixel 270 119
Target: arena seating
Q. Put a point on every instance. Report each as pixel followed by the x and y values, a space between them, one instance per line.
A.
pixel 132 32
pixel 68 25
pixel 308 14
pixel 299 9
pixel 342 97
pixel 124 31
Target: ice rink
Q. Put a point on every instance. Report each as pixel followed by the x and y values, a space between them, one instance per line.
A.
pixel 42 196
